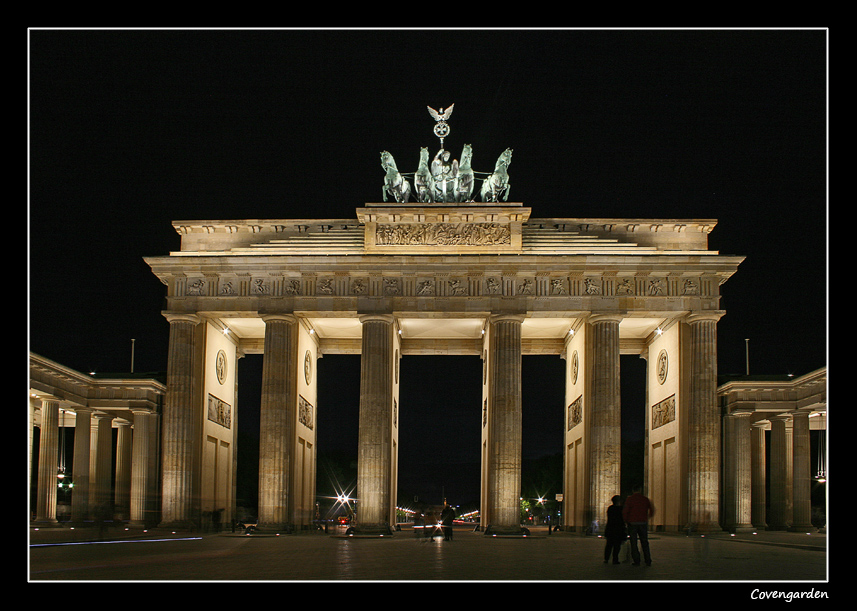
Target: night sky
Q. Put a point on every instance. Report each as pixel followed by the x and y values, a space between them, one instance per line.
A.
pixel 130 130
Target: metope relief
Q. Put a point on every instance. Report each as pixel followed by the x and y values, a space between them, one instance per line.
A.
pixel 663 412
pixel 219 412
pixel 305 412
pixel 443 234
pixel 260 287
pixel 325 287
pixel 196 287
pixel 358 286
pixel 425 288
pixel 625 287
pixel 575 413
pixel 457 287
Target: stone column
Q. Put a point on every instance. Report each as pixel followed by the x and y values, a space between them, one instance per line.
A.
pixel 375 435
pixel 801 473
pixel 80 471
pixel 739 472
pixel 122 494
pixel 759 476
pixel 703 416
pixel 605 416
pixel 276 422
pixel 101 468
pixel 141 470
pixel 505 418
pixel 46 497
pixel 180 424
pixel 780 497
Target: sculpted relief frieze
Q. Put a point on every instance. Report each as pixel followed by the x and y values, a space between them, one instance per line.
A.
pixel 663 412
pixel 443 234
pixel 441 284
pixel 575 413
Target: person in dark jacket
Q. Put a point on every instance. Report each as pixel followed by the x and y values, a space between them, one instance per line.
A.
pixel 446 518
pixel 614 532
pixel 637 511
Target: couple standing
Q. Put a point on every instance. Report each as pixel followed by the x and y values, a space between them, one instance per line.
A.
pixel 635 513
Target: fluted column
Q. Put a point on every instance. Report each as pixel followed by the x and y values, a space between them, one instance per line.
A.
pixel 141 469
pixel 101 467
pixel 276 421
pixel 780 495
pixel 122 492
pixel 505 422
pixel 739 482
pixel 180 431
pixel 759 477
pixel 703 458
pixel 605 414
pixel 80 469
pixel 801 473
pixel 46 497
pixel 375 435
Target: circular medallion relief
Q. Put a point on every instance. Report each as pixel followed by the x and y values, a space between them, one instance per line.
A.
pixel 220 365
pixel 575 365
pixel 308 367
pixel 663 366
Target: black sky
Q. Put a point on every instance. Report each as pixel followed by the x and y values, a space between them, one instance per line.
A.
pixel 130 130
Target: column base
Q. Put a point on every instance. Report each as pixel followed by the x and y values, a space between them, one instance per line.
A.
pixel 802 528
pixel 743 528
pixel 506 531
pixel 369 530
pixel 272 529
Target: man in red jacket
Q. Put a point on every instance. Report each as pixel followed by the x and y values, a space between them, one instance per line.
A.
pixel 636 513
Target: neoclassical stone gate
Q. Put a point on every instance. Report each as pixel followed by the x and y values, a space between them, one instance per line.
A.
pixel 443 278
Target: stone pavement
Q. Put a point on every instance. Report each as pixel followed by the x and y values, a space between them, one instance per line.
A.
pixel 62 554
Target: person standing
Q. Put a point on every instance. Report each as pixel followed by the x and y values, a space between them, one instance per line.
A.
pixel 446 518
pixel 614 532
pixel 637 512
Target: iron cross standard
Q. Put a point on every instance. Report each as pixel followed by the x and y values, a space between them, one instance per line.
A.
pixel 441 128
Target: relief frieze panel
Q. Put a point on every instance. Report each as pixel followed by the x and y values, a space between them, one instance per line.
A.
pixel 443 234
pixel 575 412
pixel 444 285
pixel 663 412
pixel 305 412
pixel 219 412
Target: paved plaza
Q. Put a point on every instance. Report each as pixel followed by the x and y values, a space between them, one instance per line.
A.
pixel 769 560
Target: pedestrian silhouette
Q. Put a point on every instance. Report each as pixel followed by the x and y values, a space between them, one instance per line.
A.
pixel 637 511
pixel 614 532
pixel 446 518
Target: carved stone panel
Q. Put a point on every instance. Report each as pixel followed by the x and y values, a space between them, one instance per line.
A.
pixel 575 413
pixel 219 412
pixel 663 412
pixel 305 412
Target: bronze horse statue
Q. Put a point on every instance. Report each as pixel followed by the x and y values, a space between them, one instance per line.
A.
pixel 496 186
pixel 394 183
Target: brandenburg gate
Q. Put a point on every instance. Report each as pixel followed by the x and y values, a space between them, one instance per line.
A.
pixel 435 268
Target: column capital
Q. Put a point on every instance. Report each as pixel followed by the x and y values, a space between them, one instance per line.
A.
pixel 182 317
pixel 605 317
pixel 493 318
pixel 708 315
pixel 385 318
pixel 277 316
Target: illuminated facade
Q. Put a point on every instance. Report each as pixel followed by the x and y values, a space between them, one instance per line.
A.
pixel 464 278
pixel 400 279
